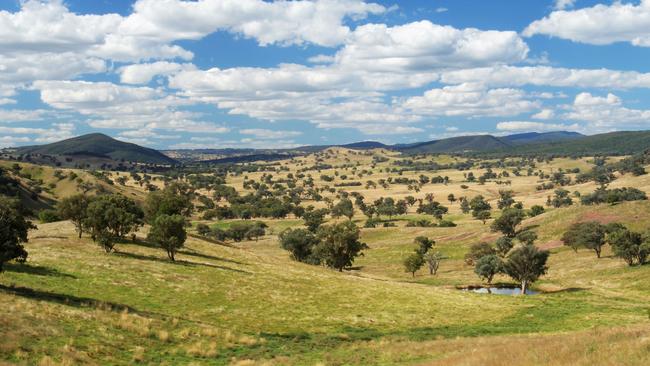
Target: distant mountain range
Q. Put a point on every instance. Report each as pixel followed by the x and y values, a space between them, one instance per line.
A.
pixel 558 142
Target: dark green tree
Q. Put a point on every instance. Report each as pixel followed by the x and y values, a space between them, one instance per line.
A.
pixel 343 208
pixel 413 263
pixel 339 245
pixel 168 231
pixel 434 209
pixel 526 264
pixel 508 221
pixel 479 204
pixel 631 246
pixel 483 216
pixel 13 231
pixel 175 199
pixel 590 235
pixel 424 244
pixel 314 218
pixel 487 267
pixel 536 210
pixel 73 208
pixel 300 243
pixel 503 246
pixel 478 250
pixel 506 199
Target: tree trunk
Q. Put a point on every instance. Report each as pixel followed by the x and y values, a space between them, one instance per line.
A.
pixel 597 252
pixel 524 287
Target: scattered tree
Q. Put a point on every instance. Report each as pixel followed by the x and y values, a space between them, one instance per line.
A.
pixel 339 245
pixel 631 246
pixel 433 260
pixel 13 232
pixel 526 264
pixel 590 235
pixel 413 263
pixel 300 243
pixel 168 231
pixel 73 208
pixel 508 221
pixel 487 267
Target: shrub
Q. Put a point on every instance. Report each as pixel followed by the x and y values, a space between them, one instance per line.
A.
pixel 536 210
pixel 420 223
pixel 446 223
pixel 46 216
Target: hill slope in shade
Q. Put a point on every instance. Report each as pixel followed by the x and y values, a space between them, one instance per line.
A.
pixel 458 145
pixel 537 137
pixel 612 143
pixel 98 144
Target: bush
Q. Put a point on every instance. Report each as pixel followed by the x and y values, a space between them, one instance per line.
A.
pixel 420 223
pixel 615 195
pixel 371 224
pixel 446 223
pixel 536 210
pixel 203 229
pixel 46 216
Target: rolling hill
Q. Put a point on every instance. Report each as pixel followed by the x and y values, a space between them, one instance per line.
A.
pixel 537 137
pixel 612 143
pixel 457 145
pixel 100 145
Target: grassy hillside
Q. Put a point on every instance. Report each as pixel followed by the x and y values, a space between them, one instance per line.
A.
pixel 232 305
pixel 97 144
pixel 42 186
pixel 248 303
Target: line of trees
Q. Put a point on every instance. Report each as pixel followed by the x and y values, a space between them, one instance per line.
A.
pixel 633 247
pixel 109 218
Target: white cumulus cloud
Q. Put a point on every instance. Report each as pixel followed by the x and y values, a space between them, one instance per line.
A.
pixel 600 25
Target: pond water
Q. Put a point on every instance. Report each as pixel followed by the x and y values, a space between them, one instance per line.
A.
pixel 499 290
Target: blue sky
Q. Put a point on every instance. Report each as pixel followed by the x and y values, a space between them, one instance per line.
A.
pixel 271 74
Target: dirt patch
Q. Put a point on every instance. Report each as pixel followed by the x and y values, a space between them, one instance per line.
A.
pixel 599 217
pixel 458 237
pixel 551 244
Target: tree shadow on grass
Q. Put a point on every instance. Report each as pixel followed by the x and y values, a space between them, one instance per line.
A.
pixel 147 244
pixel 568 289
pixel 35 270
pixel 206 256
pixel 177 262
pixel 65 299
